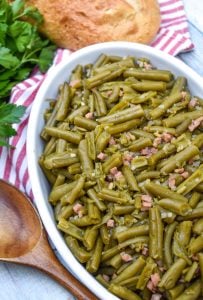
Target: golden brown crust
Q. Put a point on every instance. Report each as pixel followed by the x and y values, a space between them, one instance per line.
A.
pixel 75 24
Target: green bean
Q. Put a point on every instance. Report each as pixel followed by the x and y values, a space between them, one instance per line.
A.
pixel 59 160
pixel 191 272
pixel 140 144
pixel 155 234
pixel 101 279
pixel 94 261
pixel 91 149
pixel 192 292
pixel 76 74
pixel 110 195
pixel 85 123
pixel 114 161
pixel 105 234
pixel 123 292
pixel 123 116
pixel 179 118
pixel 50 146
pixel 198 227
pixel 165 105
pixel 103 77
pixel 73 195
pixel 194 199
pixel 196 245
pixel 179 159
pixel 122 210
pixel 183 126
pixel 172 275
pixel 163 192
pixel 191 182
pixel 200 259
pixel 130 178
pixel 132 232
pixel 74 169
pixel 147 175
pixel 70 229
pixel 69 136
pixel 115 261
pixel 90 237
pixel 160 129
pixel 81 111
pixel 99 103
pixel 142 133
pixel 159 75
pixel 80 253
pixel 146 273
pixel 114 96
pixel 92 194
pixel 146 85
pixel 176 291
pixel 138 240
pixel 65 94
pixel 196 213
pixel 179 85
pixel 166 151
pixel 198 140
pixel 199 188
pixel 123 126
pixel 66 211
pixel 177 207
pixel 133 269
pixel 85 221
pixel 86 161
pixel 168 243
pixel 102 141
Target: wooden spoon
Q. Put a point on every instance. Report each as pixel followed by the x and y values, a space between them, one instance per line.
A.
pixel 23 240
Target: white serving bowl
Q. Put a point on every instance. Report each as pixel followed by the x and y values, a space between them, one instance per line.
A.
pixel 49 89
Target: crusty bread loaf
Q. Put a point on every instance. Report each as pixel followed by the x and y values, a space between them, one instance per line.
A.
pixel 74 24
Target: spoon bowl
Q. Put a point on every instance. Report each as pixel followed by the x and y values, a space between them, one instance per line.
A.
pixel 23 240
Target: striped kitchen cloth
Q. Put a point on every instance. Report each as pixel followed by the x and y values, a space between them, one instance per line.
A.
pixel 173 37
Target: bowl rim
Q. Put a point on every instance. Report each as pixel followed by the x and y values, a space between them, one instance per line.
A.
pixel 53 233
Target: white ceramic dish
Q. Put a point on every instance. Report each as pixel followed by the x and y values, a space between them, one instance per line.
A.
pixel 36 123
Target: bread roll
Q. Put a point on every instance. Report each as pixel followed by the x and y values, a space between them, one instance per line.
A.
pixel 75 24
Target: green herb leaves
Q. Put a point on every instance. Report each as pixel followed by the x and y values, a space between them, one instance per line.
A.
pixel 9 114
pixel 21 45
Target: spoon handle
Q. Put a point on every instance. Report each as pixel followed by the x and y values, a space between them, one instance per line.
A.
pixel 43 258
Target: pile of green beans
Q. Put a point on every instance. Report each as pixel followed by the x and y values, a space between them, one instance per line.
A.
pixel 123 155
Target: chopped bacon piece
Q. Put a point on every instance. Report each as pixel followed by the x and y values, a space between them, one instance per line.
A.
pixel 179 171
pixel 195 123
pixel 118 175
pixel 114 171
pixel 193 102
pixel 112 141
pixel 145 251
pixel 126 257
pixel 77 208
pixel 89 115
pixel 153 282
pixel 130 136
pixel 106 277
pixel 128 157
pixel 148 151
pixel 157 141
pixel 146 202
pixel 167 137
pixel 101 156
pixel 156 296
pixel 146 198
pixel 155 278
pixel 110 223
pixel 172 182
pixel 183 94
pixel 185 174
pixel 74 83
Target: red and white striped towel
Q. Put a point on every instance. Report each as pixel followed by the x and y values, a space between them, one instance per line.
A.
pixel 173 38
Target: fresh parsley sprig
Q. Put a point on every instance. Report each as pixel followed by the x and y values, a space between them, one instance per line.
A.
pixel 21 45
pixel 9 114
